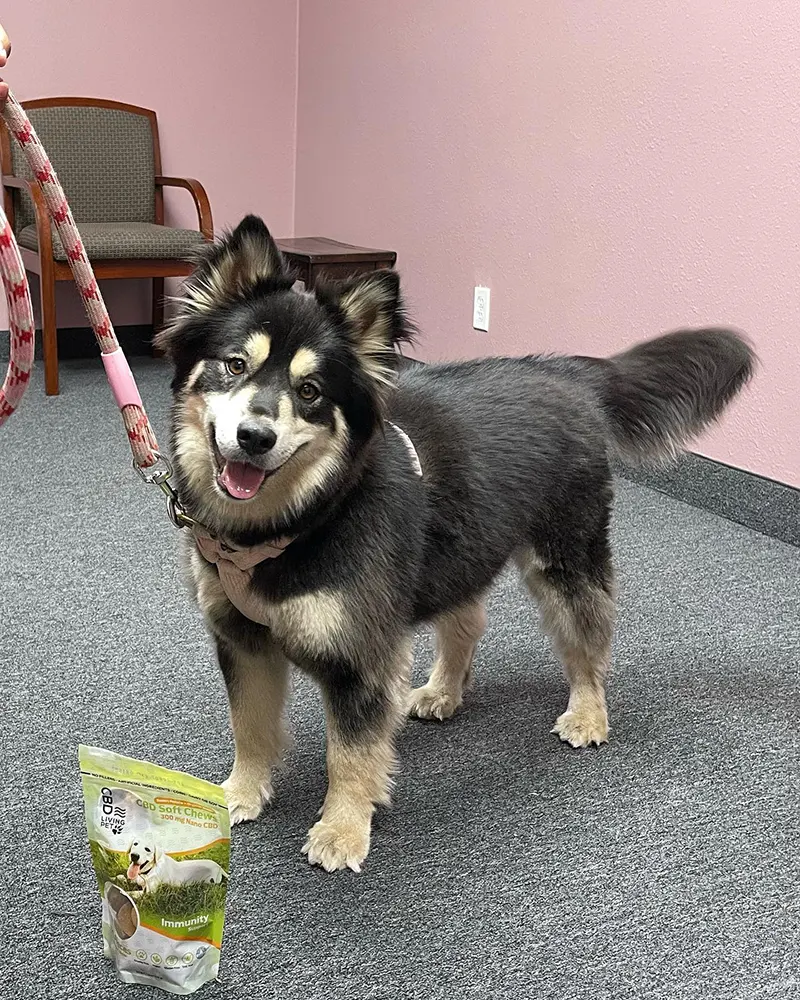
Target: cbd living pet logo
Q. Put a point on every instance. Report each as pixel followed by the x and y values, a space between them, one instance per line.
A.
pixel 113 817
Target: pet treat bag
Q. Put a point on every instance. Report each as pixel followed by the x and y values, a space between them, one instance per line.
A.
pixel 160 846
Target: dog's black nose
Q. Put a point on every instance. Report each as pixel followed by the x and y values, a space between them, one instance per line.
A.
pixel 135 858
pixel 255 438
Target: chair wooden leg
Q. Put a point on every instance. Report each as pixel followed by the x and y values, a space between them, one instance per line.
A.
pixel 158 311
pixel 47 288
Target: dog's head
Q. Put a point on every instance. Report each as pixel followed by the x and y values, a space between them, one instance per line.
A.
pixel 143 856
pixel 275 390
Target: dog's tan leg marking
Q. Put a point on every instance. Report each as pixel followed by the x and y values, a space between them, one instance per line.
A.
pixel 257 688
pixel 458 633
pixel 580 624
pixel 359 779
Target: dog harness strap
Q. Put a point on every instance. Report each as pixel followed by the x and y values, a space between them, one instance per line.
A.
pixel 235 565
pixel 246 559
pixel 412 451
pixel 235 568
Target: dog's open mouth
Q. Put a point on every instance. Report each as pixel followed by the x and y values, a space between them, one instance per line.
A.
pixel 240 480
pixel 136 868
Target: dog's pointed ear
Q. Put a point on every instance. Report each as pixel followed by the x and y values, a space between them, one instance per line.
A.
pixel 245 257
pixel 230 268
pixel 372 308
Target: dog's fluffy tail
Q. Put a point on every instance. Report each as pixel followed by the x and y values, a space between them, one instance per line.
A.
pixel 659 395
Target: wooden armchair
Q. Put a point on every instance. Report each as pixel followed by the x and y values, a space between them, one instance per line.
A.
pixel 108 159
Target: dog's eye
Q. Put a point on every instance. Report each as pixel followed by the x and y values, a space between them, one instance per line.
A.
pixel 147 849
pixel 236 366
pixel 308 392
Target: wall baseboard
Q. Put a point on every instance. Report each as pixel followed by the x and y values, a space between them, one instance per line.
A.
pixel 78 342
pixel 764 505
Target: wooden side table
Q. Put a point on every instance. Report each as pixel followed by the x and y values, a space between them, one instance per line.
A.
pixel 316 257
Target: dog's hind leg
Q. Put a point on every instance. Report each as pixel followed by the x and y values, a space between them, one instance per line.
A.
pixel 577 612
pixel 257 685
pixel 457 636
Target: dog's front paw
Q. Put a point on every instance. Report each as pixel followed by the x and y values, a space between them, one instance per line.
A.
pixel 246 796
pixel 429 702
pixel 337 844
pixel 582 728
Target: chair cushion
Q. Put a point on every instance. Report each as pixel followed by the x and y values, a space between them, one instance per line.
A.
pixel 123 241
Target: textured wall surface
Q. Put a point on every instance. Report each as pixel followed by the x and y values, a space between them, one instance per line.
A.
pixel 610 171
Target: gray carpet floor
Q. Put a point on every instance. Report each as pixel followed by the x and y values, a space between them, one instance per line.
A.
pixel 664 865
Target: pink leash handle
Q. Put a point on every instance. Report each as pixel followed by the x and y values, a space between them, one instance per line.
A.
pixel 140 434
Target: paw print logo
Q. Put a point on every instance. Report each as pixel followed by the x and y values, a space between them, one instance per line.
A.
pixel 118 820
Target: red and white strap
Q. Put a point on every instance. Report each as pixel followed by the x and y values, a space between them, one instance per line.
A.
pixel 140 434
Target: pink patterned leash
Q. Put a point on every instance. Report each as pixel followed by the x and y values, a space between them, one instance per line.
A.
pixel 140 434
pixel 20 322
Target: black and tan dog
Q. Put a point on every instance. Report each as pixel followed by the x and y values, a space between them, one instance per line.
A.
pixel 342 504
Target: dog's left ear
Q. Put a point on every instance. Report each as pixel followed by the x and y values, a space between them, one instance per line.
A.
pixel 237 263
pixel 230 268
pixel 372 308
pixel 242 259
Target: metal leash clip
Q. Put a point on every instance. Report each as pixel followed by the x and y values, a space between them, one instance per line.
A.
pixel 159 474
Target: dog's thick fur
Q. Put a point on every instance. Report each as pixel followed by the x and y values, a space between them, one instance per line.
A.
pixel 301 388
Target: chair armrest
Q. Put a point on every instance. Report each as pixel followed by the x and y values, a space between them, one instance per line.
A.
pixel 43 230
pixel 200 197
pixel 19 183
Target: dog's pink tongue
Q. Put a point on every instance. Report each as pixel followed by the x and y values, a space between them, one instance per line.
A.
pixel 241 479
pixel 132 872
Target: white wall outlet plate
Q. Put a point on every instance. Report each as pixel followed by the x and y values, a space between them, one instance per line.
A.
pixel 480 309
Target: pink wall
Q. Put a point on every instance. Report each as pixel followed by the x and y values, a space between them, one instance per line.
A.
pixel 611 171
pixel 222 78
